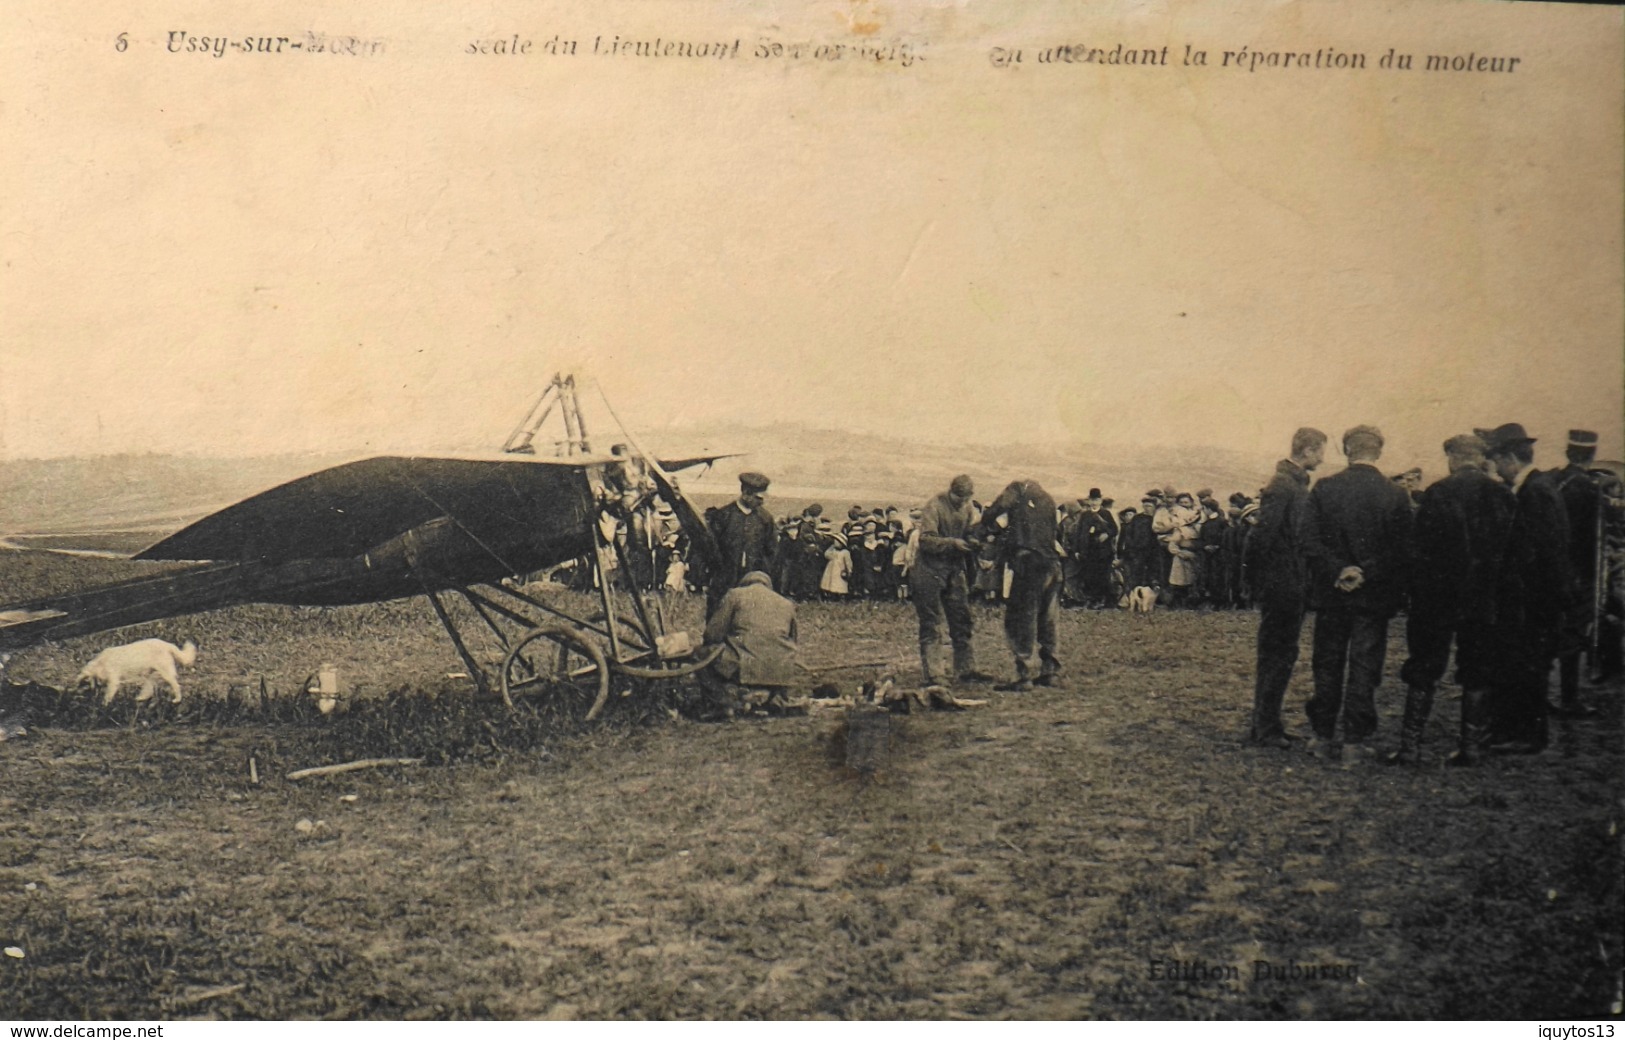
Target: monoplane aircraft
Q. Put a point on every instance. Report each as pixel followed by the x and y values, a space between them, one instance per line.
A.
pixel 395 526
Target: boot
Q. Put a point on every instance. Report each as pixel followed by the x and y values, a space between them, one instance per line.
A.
pixel 1568 673
pixel 965 670
pixel 1474 733
pixel 932 676
pixel 1418 705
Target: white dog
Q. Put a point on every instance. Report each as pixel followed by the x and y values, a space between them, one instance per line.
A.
pixel 1142 600
pixel 152 659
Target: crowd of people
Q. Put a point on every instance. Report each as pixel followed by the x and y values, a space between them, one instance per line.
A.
pixel 1510 567
pixel 1499 567
pixel 1185 546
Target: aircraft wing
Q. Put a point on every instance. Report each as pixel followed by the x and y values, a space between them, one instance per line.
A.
pixel 346 510
pixel 675 465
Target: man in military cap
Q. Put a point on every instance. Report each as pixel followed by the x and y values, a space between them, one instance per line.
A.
pixel 1462 523
pixel 937 582
pixel 1534 588
pixel 746 537
pixel 1357 543
pixel 1582 498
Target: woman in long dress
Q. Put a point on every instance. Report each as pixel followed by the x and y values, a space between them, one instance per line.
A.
pixel 1182 543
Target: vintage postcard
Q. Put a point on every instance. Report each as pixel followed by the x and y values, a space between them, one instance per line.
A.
pixel 279 282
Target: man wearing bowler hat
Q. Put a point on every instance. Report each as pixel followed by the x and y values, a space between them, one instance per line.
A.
pixel 1533 589
pixel 746 537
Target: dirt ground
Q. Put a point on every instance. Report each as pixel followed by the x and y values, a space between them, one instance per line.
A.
pixel 1108 849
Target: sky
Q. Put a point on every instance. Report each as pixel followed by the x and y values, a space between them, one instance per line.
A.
pixel 255 254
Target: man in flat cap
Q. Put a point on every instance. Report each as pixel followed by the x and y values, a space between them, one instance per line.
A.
pixel 1273 573
pixel 1035 585
pixel 1357 539
pixel 746 537
pixel 1583 499
pixel 937 581
pixel 1534 589
pixel 1462 522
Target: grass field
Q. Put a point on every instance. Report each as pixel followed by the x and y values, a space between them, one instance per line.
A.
pixel 1034 858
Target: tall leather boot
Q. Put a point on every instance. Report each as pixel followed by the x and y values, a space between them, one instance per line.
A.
pixel 1418 705
pixel 1474 731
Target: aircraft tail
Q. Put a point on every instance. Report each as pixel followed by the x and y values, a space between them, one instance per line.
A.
pixel 100 609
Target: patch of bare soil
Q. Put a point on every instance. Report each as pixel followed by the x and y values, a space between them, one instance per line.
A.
pixel 1107 849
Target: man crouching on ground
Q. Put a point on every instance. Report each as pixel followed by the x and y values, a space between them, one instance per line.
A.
pixel 756 628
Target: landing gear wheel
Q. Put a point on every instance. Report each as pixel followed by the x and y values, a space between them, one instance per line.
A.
pixel 561 669
pixel 633 642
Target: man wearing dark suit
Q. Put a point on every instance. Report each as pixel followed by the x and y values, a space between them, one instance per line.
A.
pixel 1533 590
pixel 1582 498
pixel 1461 530
pixel 1274 575
pixel 1212 545
pixel 1114 531
pixel 1357 538
pixel 1235 544
pixel 1094 544
pixel 746 537
pixel 1142 553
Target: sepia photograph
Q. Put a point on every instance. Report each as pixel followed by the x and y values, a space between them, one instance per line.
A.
pixel 858 510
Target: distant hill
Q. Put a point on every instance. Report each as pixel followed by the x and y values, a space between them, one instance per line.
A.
pixel 138 495
pixel 807 463
pixel 157 493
